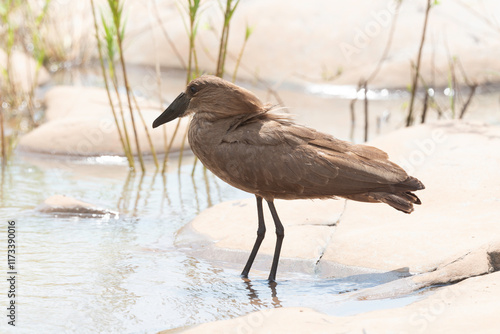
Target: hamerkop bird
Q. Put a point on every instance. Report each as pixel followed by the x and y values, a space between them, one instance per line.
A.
pixel 237 137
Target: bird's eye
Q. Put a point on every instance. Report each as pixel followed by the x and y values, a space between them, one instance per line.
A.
pixel 193 90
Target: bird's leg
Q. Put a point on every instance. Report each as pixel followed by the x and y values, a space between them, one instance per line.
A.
pixel 280 234
pixel 261 232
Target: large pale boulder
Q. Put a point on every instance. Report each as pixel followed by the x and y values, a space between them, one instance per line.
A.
pixel 481 261
pixel 80 123
pixel 293 40
pixel 23 71
pixel 232 226
pixel 452 237
pixel 457 162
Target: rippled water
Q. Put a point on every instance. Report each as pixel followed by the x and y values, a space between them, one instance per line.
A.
pixel 125 275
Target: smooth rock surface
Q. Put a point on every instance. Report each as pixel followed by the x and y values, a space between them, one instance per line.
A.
pixel 451 237
pixel 308 40
pixel 64 205
pixel 23 71
pixel 459 213
pixel 232 226
pixel 478 262
pixel 458 163
pixel 470 306
pixel 80 123
pixel 296 40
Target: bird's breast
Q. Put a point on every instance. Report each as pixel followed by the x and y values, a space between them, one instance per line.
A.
pixel 204 136
pixel 205 139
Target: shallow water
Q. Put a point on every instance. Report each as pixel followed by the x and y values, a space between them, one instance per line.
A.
pixel 125 274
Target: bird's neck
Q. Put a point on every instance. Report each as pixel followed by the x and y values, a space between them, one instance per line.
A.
pixel 207 127
pixel 205 133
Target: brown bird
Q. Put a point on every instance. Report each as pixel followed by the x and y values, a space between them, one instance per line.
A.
pixel 237 138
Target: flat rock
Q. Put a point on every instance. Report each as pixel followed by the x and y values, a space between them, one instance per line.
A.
pixel 459 213
pixel 452 237
pixel 68 206
pixel 470 306
pixel 457 162
pixel 23 71
pixel 79 122
pixel 232 226
pixel 477 262
pixel 293 40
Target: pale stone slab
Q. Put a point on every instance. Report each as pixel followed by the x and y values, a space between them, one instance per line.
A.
pixel 233 226
pixel 80 123
pixel 478 262
pixel 293 40
pixel 458 163
pixel 64 205
pixel 23 69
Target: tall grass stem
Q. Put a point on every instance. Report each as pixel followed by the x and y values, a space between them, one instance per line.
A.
pixel 126 151
pixel 414 86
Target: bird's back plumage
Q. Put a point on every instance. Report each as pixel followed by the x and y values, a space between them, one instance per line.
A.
pixel 272 157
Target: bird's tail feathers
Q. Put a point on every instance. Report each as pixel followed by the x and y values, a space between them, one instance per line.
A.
pixel 411 184
pixel 402 201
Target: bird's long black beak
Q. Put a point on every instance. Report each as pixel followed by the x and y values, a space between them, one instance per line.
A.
pixel 176 109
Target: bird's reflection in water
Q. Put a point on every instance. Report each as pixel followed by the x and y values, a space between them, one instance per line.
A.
pixel 254 298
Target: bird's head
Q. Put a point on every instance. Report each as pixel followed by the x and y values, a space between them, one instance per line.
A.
pixel 215 98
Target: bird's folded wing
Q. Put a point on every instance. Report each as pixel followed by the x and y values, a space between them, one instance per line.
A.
pixel 280 156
